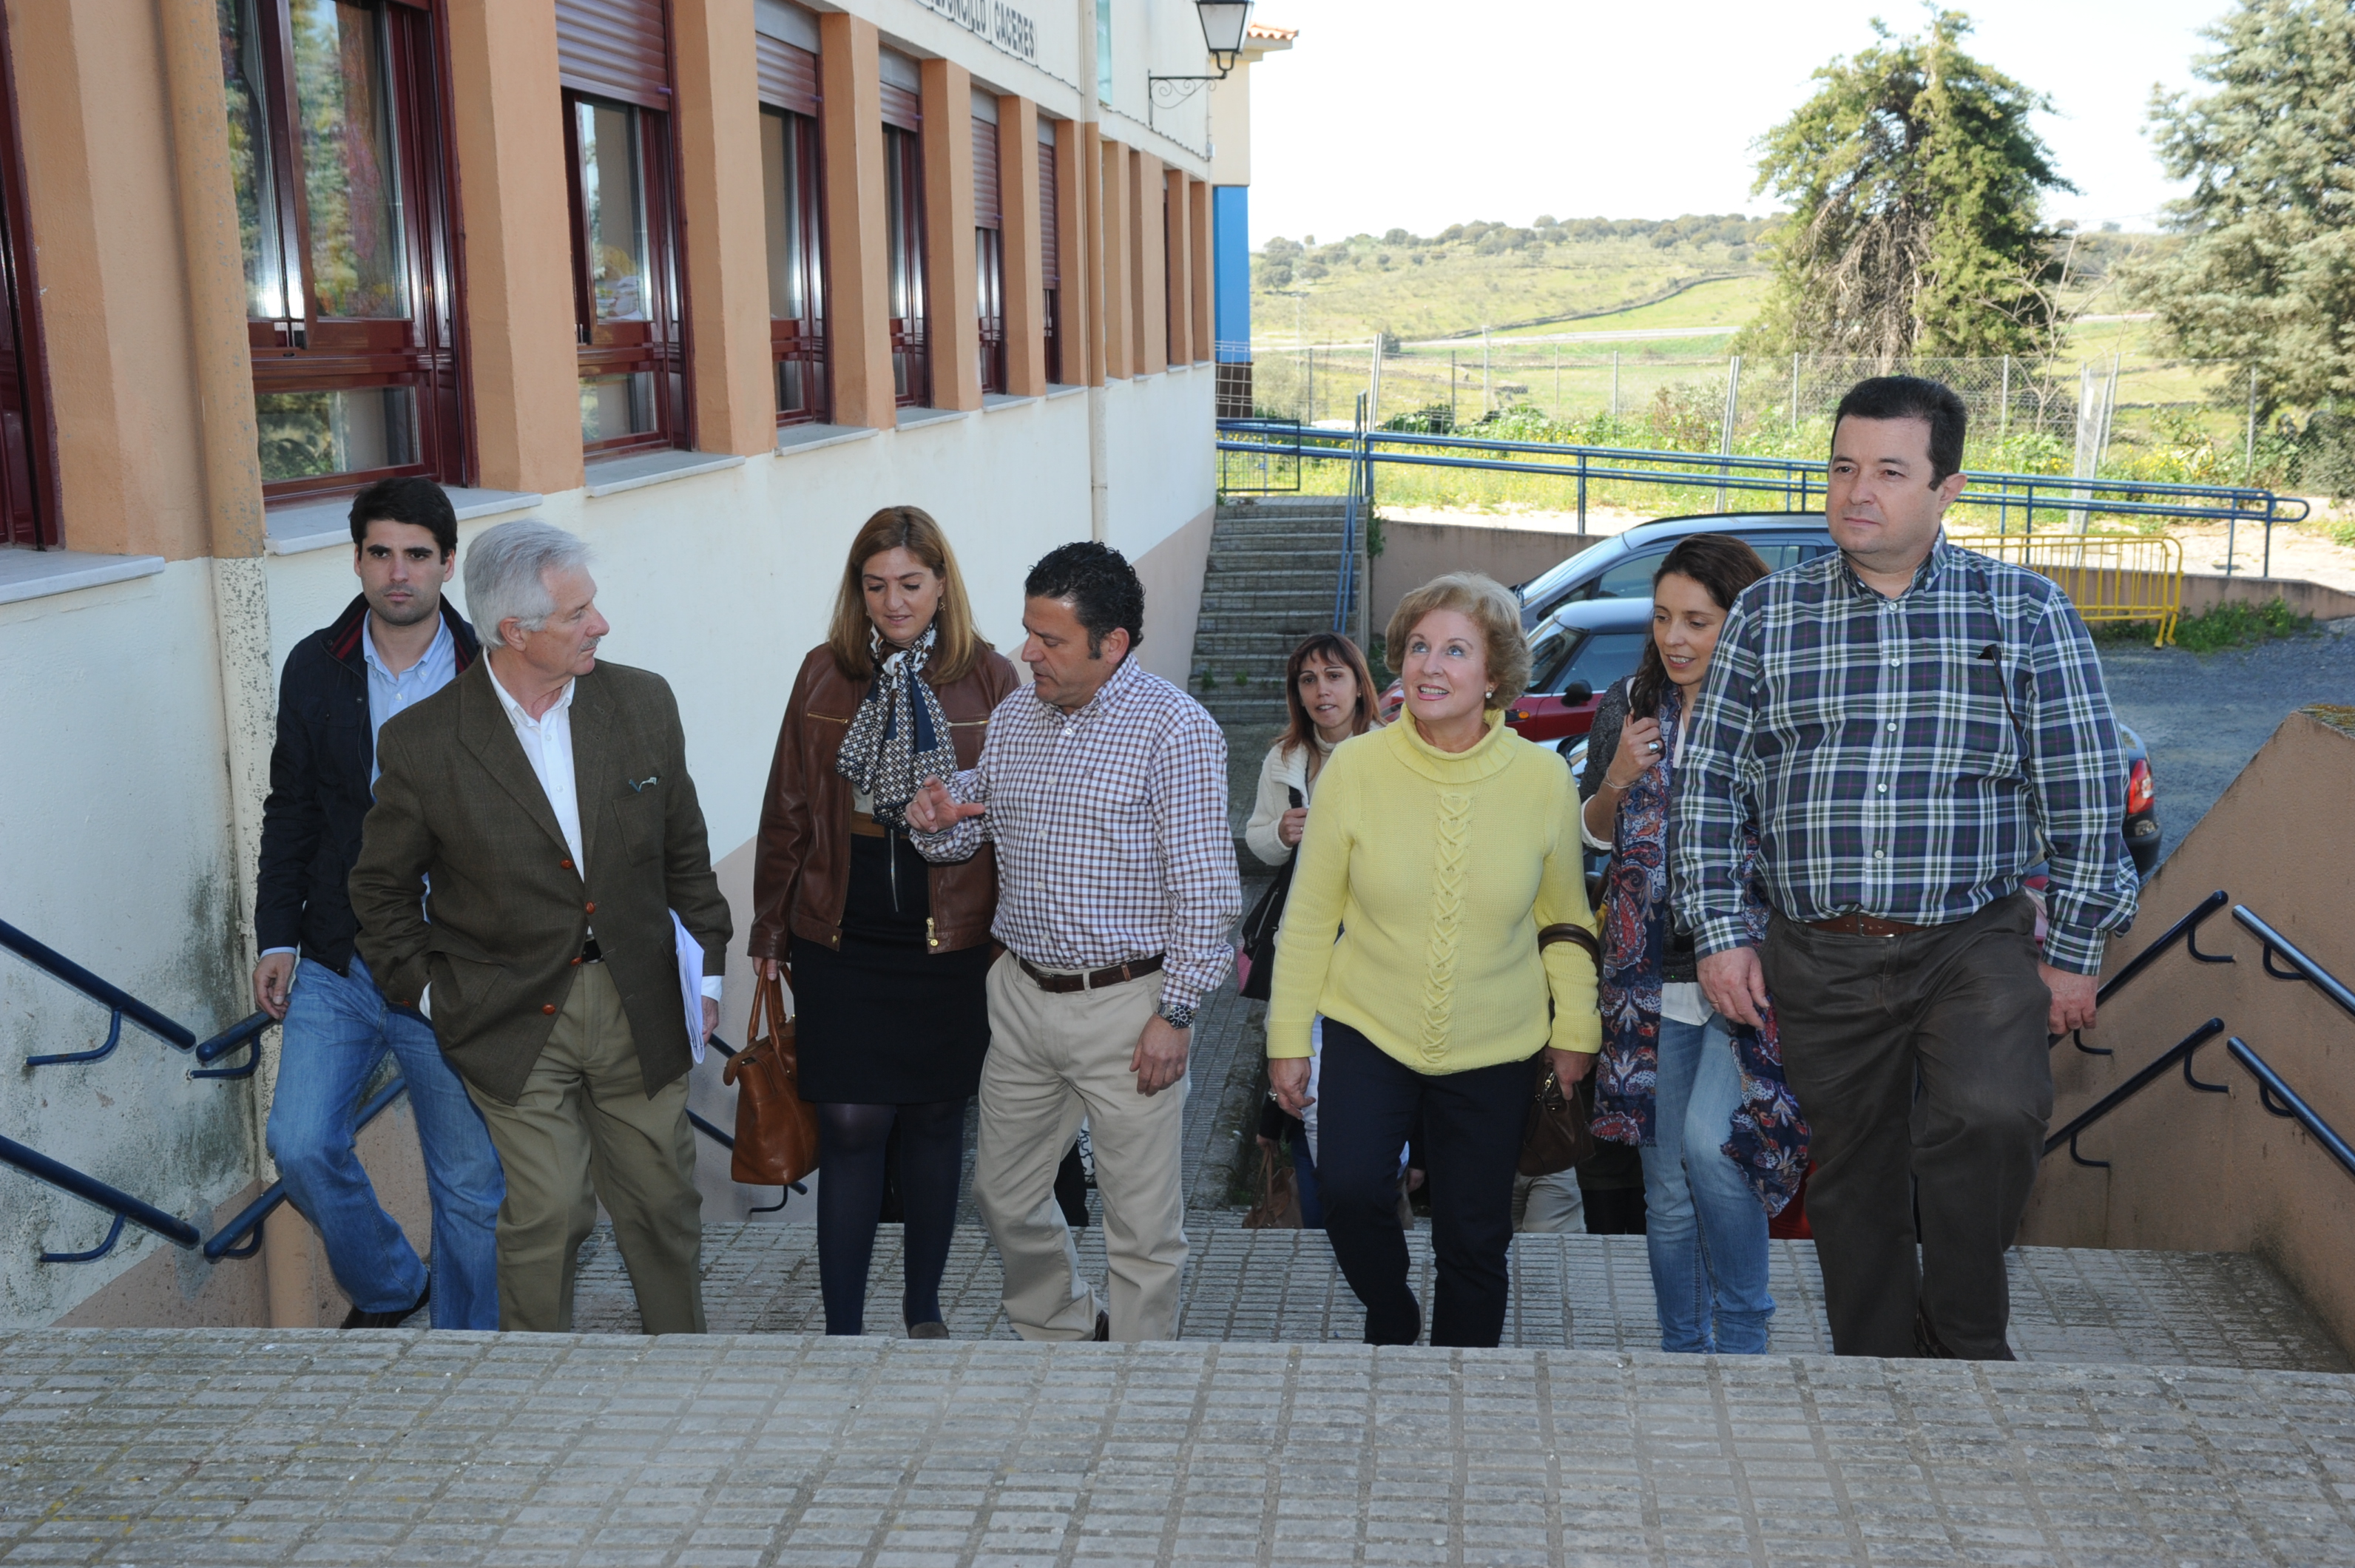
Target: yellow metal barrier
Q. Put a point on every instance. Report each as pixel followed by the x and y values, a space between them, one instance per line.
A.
pixel 2108 578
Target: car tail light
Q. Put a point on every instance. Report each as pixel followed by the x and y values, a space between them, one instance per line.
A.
pixel 2140 789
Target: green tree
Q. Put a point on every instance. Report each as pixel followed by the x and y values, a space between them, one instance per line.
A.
pixel 2266 274
pixel 1914 180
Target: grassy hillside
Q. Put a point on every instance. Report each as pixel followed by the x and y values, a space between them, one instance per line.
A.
pixel 1480 274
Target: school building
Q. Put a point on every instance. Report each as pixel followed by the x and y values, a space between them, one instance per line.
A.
pixel 707 282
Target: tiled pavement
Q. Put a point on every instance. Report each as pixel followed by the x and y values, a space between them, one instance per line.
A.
pixel 166 1448
pixel 1583 1292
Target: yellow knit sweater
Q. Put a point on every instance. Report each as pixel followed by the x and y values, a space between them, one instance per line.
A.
pixel 1436 870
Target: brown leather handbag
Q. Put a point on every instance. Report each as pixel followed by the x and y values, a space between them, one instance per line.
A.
pixel 1555 1137
pixel 776 1132
pixel 1278 1207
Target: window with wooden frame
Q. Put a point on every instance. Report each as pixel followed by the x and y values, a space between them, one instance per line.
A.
pixel 339 159
pixel 903 231
pixel 1173 265
pixel 613 58
pixel 988 243
pixel 28 510
pixel 785 44
pixel 1050 263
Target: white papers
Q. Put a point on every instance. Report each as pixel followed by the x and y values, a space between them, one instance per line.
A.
pixel 690 983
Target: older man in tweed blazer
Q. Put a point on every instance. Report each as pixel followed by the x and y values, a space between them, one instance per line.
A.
pixel 534 828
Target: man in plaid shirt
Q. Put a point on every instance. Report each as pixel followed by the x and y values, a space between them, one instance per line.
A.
pixel 1104 789
pixel 1912 727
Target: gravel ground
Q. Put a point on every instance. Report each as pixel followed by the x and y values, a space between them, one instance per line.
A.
pixel 2203 716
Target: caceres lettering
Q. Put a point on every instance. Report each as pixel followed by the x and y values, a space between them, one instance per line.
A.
pixel 995 21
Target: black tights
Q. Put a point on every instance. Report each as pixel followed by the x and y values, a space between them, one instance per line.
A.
pixel 851 1140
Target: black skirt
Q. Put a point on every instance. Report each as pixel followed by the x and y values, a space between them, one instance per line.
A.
pixel 890 1025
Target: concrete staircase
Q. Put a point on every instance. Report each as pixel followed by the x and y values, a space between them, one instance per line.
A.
pixel 1274 565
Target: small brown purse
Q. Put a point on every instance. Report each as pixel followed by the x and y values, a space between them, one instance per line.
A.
pixel 776 1131
pixel 1555 1137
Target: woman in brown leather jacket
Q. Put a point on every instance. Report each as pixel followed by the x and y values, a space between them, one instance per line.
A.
pixel 887 953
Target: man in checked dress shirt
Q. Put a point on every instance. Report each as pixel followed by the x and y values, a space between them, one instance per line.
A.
pixel 1104 789
pixel 1912 728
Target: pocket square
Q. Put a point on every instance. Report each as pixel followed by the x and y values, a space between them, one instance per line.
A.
pixel 640 787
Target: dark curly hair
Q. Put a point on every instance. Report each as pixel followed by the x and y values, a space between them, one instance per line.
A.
pixel 1099 584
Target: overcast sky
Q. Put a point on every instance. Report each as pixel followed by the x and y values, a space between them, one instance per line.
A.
pixel 1422 115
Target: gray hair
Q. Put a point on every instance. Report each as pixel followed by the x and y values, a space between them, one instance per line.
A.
pixel 507 574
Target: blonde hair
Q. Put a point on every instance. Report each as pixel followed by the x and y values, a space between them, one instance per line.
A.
pixel 955 644
pixel 1487 605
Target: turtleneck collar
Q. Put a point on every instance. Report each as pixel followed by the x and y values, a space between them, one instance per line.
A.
pixel 1490 756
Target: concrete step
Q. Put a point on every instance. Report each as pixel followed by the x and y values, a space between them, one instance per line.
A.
pixel 222 1445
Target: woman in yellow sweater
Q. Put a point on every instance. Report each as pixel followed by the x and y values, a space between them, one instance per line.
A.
pixel 1438 848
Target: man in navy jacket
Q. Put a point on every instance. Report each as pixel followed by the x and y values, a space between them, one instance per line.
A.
pixel 397 644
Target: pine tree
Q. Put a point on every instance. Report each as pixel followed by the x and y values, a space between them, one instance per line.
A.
pixel 1914 180
pixel 2267 276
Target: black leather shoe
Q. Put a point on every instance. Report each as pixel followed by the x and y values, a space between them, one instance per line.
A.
pixel 1103 1328
pixel 356 1319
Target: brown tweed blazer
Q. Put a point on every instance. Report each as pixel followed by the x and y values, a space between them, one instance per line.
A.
pixel 457 802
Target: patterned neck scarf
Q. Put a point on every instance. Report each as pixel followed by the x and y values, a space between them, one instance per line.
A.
pixel 899 738
pixel 1768 1138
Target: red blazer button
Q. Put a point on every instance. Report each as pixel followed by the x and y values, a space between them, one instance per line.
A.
pixel 547 1007
pixel 591 908
pixel 566 864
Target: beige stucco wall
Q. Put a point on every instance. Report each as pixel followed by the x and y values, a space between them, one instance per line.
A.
pixel 2216 1172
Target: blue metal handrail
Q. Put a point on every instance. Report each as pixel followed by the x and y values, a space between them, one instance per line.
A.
pixel 2186 931
pixel 120 1002
pixel 2301 966
pixel 246 1031
pixel 90 1189
pixel 2181 1050
pixel 2283 1101
pixel 1797 480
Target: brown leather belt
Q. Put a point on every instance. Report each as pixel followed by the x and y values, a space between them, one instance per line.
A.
pixel 1856 922
pixel 1094 979
pixel 865 826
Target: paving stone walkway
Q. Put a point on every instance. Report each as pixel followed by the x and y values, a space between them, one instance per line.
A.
pixel 164 1448
pixel 1573 1291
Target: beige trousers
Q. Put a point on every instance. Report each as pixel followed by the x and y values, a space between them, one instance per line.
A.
pixel 584 1129
pixel 1052 1060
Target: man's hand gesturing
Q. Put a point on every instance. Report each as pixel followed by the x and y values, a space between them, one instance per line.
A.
pixel 935 810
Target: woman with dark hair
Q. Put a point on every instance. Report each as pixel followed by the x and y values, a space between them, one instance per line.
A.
pixel 1724 1144
pixel 888 952
pixel 1330 693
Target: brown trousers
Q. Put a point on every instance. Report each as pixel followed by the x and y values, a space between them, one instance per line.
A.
pixel 1921 1064
pixel 584 1130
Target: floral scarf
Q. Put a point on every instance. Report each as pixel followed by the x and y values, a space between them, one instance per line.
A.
pixel 899 737
pixel 1768 1138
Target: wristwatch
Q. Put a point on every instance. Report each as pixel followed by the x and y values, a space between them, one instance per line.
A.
pixel 1174 1015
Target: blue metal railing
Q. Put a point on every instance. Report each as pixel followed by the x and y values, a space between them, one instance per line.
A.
pixel 2301 968
pixel 1798 482
pixel 90 1189
pixel 2181 1050
pixel 2186 931
pixel 121 1004
pixel 2283 1101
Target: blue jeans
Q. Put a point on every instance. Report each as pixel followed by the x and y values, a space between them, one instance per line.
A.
pixel 1705 1230
pixel 337 1031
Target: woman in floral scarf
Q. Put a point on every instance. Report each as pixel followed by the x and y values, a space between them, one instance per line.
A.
pixel 1724 1144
